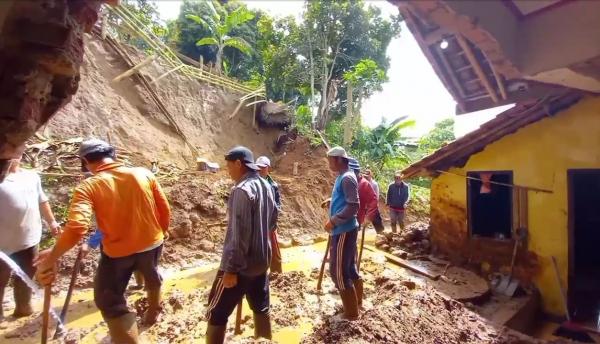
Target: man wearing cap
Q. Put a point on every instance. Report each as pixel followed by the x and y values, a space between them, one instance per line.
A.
pixel 264 164
pixel 366 211
pixel 23 204
pixel 251 214
pixel 343 226
pixel 398 196
pixel 133 215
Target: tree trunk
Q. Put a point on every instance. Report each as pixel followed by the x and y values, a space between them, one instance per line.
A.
pixel 349 120
pixel 219 63
pixel 312 76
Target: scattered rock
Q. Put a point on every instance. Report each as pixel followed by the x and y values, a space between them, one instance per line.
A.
pixel 411 285
pixel 302 240
pixel 206 245
pixel 400 253
pixel 284 243
pixel 385 247
pixel 184 229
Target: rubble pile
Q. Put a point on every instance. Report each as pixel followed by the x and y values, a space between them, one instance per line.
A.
pixel 411 313
pixel 411 243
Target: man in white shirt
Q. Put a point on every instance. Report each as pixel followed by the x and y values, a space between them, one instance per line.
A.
pixel 23 203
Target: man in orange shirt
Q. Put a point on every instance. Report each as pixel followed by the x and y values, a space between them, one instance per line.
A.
pixel 133 214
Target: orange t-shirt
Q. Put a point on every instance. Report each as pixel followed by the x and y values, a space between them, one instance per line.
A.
pixel 132 211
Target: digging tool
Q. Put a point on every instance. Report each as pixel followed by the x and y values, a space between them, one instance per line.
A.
pixel 362 245
pixel 323 263
pixel 508 285
pixel 403 263
pixel 238 318
pixel 46 313
pixel 63 313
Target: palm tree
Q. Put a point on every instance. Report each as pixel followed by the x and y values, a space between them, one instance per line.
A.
pixel 220 25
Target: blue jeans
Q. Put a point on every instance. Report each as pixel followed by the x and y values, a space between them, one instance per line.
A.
pixel 342 265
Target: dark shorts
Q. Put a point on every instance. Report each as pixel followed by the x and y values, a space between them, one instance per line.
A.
pixel 113 276
pixel 342 265
pixel 24 260
pixel 222 301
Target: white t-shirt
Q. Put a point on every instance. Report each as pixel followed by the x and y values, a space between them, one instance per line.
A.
pixel 20 220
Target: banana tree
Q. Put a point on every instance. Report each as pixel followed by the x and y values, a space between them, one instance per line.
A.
pixel 220 23
pixel 382 142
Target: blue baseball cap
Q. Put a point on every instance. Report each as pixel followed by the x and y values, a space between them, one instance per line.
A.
pixel 353 164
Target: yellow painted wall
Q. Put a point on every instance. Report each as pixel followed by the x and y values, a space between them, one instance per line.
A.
pixel 539 156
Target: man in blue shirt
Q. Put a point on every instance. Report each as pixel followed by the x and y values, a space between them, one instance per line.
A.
pixel 343 226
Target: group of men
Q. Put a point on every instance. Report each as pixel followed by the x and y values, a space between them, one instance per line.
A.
pixel 132 215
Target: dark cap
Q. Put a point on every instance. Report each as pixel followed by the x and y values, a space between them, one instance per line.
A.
pixel 94 146
pixel 243 154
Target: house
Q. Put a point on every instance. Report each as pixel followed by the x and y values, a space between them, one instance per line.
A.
pixel 535 166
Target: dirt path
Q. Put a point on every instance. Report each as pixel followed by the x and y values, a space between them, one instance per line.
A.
pixel 399 309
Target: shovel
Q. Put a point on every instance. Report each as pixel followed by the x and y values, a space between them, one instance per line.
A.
pixel 46 314
pixel 63 313
pixel 508 285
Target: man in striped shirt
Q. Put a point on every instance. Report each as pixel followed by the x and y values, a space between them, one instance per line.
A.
pixel 251 213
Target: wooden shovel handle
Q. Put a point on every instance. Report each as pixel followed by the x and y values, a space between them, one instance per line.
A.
pixel 320 280
pixel 46 313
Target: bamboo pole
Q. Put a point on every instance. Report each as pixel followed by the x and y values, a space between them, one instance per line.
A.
pixel 135 68
pixel 515 186
pixel 167 73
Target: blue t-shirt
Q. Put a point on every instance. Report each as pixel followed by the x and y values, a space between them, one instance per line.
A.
pixel 338 203
pixel 95 239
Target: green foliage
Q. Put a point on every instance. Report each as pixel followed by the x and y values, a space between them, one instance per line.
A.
pixel 145 11
pixel 366 75
pixel 220 24
pixel 440 135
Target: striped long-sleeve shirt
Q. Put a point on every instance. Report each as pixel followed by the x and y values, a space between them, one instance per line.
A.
pixel 251 213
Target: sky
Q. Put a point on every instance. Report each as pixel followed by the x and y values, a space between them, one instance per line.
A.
pixel 413 88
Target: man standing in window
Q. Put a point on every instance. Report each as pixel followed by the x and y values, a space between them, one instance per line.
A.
pixel 251 214
pixel 398 196
pixel 23 204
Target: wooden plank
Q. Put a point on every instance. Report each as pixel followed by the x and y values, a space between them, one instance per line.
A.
pixel 135 68
pixel 237 109
pixel 403 263
pixel 167 73
pixel 476 67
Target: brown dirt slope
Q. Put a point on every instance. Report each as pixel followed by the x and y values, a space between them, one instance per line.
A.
pixel 125 112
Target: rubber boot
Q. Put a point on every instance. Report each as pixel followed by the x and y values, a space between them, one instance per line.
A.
pixel 393 228
pixel 262 326
pixel 358 287
pixel 154 308
pixel 123 330
pixel 350 303
pixel 22 299
pixel 215 334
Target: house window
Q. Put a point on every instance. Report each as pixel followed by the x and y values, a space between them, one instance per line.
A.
pixel 490 204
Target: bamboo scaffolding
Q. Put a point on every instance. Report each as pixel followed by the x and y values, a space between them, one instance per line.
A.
pixel 174 61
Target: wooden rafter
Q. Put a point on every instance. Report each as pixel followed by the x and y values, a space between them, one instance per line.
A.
pixel 410 22
pixel 499 81
pixel 476 67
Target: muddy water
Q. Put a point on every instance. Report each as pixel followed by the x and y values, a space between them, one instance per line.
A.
pixel 84 318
